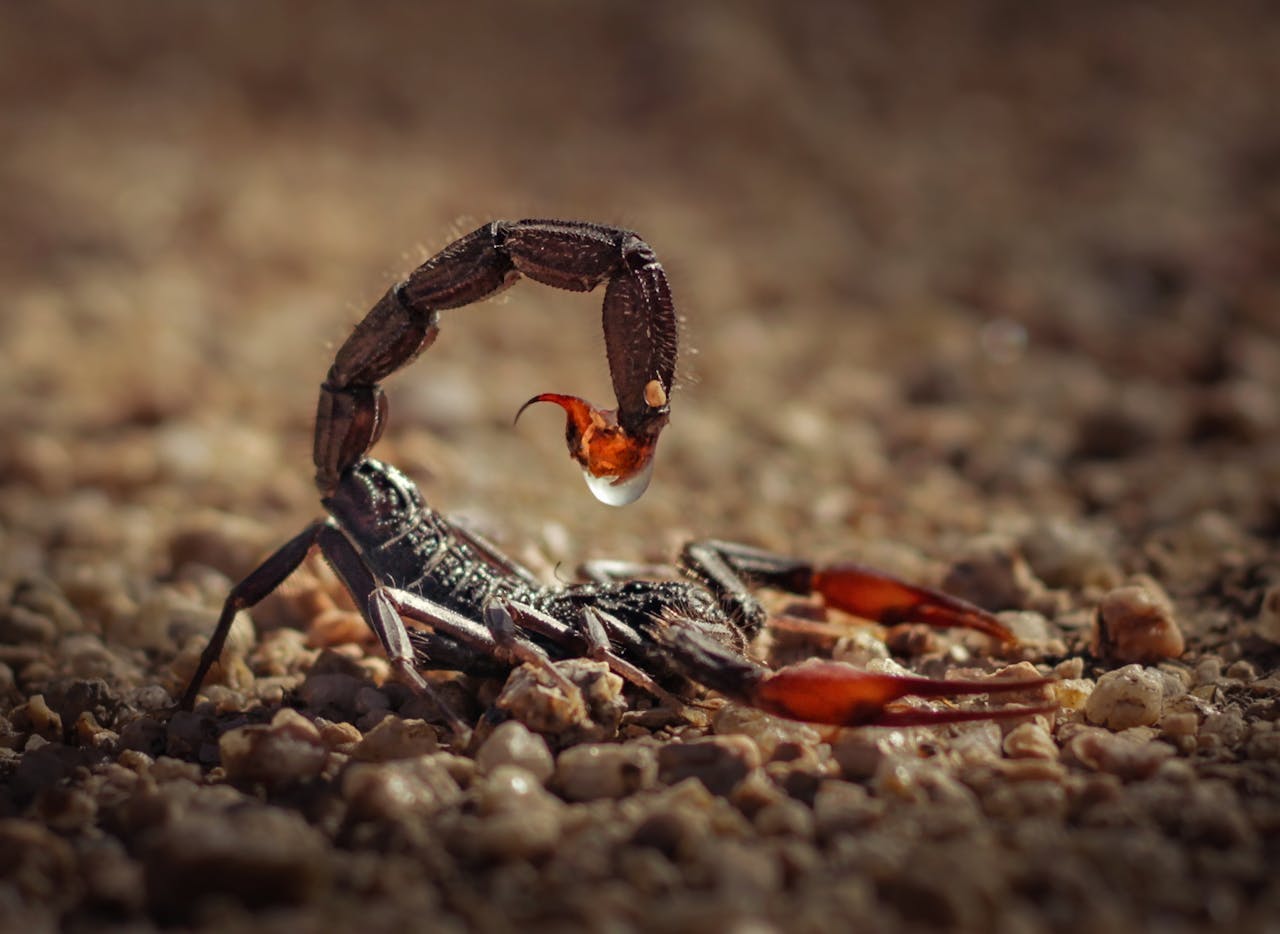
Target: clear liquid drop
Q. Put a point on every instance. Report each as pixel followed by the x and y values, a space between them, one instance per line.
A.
pixel 614 492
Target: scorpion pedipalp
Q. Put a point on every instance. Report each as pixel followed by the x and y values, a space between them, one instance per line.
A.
pixel 831 692
pixel 821 691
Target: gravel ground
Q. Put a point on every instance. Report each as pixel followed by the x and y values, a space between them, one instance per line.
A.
pixel 986 295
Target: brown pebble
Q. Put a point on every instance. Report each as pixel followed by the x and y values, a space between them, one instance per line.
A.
pixel 35 861
pixel 719 762
pixel 330 690
pixel 785 817
pixel 1117 754
pixel 593 713
pixel 516 818
pixel 37 717
pixel 21 626
pixel 1030 741
pixel 398 791
pixel 396 738
pixel 1030 770
pixel 841 808
pixel 1136 624
pixel 774 735
pixel 992 574
pixel 337 736
pixel 257 855
pixel 287 750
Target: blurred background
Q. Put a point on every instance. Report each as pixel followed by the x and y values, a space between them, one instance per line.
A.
pixel 942 267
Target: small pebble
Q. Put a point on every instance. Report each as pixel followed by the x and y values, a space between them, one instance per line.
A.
pixel 401 791
pixel 508 788
pixel 604 770
pixel 1064 554
pixel 337 736
pixel 677 821
pixel 593 713
pixel 1028 626
pixel 36 716
pixel 167 617
pixel 1227 726
pixel 1131 696
pixel 516 818
pixel 844 808
pixel 1136 624
pixel 230 543
pixel 1208 671
pixel 40 598
pixel 768 732
pixel 21 626
pixel 287 750
pixel 257 855
pixel 1030 741
pixel 859 753
pixel 785 818
pixel 1182 723
pixel 369 700
pixel 396 738
pixel 1071 693
pixel 512 743
pixel 334 690
pixel 38 863
pixel 719 762
pixel 1124 756
pixel 992 574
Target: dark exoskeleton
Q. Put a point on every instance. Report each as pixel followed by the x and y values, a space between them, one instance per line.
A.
pixel 472 609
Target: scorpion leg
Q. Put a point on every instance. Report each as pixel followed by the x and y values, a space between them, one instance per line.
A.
pixel 614 447
pixel 730 569
pixel 598 647
pixel 833 693
pixel 260 582
pixel 346 561
pixel 503 627
pixel 498 637
pixel 381 618
pixel 593 639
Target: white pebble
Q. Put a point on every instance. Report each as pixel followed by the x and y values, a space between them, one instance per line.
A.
pixel 603 770
pixel 1130 696
pixel 512 743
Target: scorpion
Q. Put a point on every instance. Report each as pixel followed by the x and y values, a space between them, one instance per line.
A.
pixel 477 611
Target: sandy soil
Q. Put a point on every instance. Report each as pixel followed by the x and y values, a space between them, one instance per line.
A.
pixel 985 295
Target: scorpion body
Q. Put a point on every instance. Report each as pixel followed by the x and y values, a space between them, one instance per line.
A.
pixel 438 596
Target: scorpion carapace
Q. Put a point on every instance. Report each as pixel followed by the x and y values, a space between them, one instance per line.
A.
pixel 438 596
pixel 614 447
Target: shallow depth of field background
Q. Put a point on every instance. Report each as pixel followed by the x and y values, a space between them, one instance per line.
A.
pixel 864 209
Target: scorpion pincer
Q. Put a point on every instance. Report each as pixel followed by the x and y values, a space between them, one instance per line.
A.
pixel 440 597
